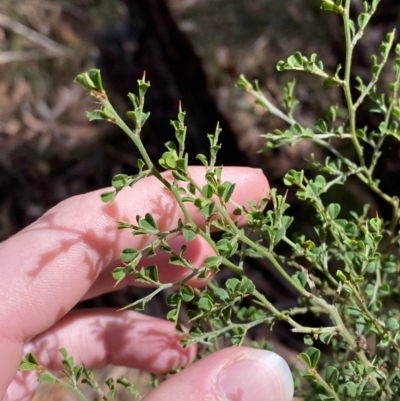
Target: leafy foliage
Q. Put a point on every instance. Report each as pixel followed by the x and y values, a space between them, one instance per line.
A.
pixel 347 270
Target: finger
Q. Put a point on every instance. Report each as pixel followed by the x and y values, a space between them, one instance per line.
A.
pixel 240 373
pixel 197 251
pixel 49 266
pixel 100 337
pixel 53 262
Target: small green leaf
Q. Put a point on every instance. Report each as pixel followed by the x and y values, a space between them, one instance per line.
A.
pixel 47 377
pixel 152 273
pixel 107 197
pixel 150 219
pixel 307 375
pixel 308 133
pixel 132 116
pixel 293 177
pixel 351 388
pixel 243 83
pixel 97 115
pixel 119 181
pixel 300 278
pixel 353 310
pixel 85 80
pixel 129 254
pixel 226 191
pixel 148 224
pixel 363 19
pixel 207 191
pixel 203 159
pixel 63 353
pixel 221 293
pixel 314 355
pixel 168 160
pixel 212 261
pixel 187 293
pixel 341 275
pixel 119 274
pixel 174 299
pixel 232 284
pixel 27 366
pixel 205 303
pixel 308 340
pixel 332 375
pixel 392 324
pixel 95 76
pixel 110 384
pixel 305 359
pixel 143 87
pixel 31 358
pixel 331 81
pixel 134 99
pixel 247 286
pixel 333 210
pixel 177 261
pixel 172 315
pixel 188 234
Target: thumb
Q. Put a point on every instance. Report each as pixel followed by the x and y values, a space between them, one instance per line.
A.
pixel 231 374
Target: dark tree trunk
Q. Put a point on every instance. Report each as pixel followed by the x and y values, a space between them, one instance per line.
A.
pixel 150 41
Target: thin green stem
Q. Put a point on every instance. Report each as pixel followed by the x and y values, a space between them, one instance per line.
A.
pixel 368 180
pixel 388 114
pixel 363 305
pixel 263 101
pixel 374 79
pixel 229 327
pixel 345 333
pixel 70 387
pixel 347 84
pixel 259 248
pixel 393 374
pixel 139 144
pixel 316 330
pixel 313 263
pixel 262 300
pixel 233 267
pixel 161 287
pixel 98 390
pixel 325 385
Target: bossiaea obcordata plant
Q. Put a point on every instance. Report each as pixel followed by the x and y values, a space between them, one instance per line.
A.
pixel 346 271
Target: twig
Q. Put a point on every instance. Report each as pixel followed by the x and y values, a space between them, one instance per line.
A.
pixel 9 57
pixel 34 36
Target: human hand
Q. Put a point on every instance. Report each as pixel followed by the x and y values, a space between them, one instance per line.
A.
pixel 68 254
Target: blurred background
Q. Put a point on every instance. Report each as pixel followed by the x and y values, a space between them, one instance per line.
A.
pixel 192 51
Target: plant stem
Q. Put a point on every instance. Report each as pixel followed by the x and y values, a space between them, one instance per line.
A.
pixel 278 314
pixel 70 387
pixel 270 106
pixel 326 386
pixel 139 144
pixel 337 320
pixel 229 327
pixel 259 248
pixel 313 263
pixel 347 84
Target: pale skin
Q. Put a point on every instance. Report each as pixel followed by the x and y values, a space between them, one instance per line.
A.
pixel 68 254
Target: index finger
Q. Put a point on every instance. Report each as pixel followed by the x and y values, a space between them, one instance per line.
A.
pixel 50 265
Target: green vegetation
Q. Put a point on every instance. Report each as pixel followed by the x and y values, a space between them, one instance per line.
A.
pixel 347 270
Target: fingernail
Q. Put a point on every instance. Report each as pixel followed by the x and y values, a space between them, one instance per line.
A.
pixel 257 376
